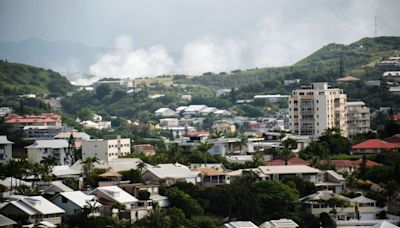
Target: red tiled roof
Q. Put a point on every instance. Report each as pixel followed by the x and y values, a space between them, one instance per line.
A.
pixel 393 139
pixel 292 161
pixel 396 117
pixel 376 144
pixel 350 163
pixel 193 133
pixel 342 163
pixel 369 163
pixel 42 118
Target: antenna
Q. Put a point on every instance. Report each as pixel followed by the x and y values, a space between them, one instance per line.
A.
pixel 376 28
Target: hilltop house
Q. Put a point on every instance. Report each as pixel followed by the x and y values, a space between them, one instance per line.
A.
pixel 374 146
pixel 165 112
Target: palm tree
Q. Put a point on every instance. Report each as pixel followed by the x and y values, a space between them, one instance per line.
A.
pixel 35 169
pixel 203 148
pixel 48 164
pixel 92 207
pixel 285 154
pixel 141 166
pixel 88 165
pixel 242 142
pixel 70 155
pixel 157 218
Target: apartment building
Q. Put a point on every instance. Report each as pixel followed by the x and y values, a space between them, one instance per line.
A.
pixel 315 108
pixel 358 118
pixel 106 149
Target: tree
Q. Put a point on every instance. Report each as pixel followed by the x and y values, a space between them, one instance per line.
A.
pixel 102 91
pixel 141 166
pixel 203 148
pixel 85 114
pixel 70 155
pixel 233 95
pixel 285 154
pixel 184 201
pixel 314 149
pixel 242 143
pixel 48 164
pixel 133 175
pixel 157 218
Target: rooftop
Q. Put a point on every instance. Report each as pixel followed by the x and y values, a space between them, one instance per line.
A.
pixel 53 143
pixel 117 194
pixel 79 198
pixel 376 144
pixel 287 169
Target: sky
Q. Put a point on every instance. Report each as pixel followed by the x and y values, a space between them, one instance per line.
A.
pixel 155 37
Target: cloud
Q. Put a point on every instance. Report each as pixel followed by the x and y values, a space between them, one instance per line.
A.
pixel 276 40
pixel 125 61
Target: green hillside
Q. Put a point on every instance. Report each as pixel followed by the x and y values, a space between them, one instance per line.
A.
pixel 19 79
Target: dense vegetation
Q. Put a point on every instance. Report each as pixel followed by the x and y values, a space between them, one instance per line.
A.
pixel 18 79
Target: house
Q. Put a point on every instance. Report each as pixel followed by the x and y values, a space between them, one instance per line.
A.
pixel 395 90
pixel 347 80
pixel 76 202
pixel 281 223
pixel 341 207
pixel 222 113
pixel 5 149
pixel 6 222
pixel 374 146
pixel 194 110
pixel 279 172
pixel 44 119
pixel 392 76
pixel 78 136
pixel 41 132
pixel 169 122
pixel 367 209
pixel 5 111
pixel 110 178
pixel 210 176
pixel 45 148
pixel 111 195
pixel 288 82
pixel 240 224
pixel 291 161
pixel 53 187
pixel 65 171
pixel 223 127
pixel 96 125
pixel 153 189
pixel 116 164
pixel 165 112
pixel 32 209
pixel 208 110
pixel 171 173
pixel 217 166
pixel 387 223
pixel 348 166
pixel 106 149
pixel 225 146
pixel 332 181
pixel 146 149
pixel 358 118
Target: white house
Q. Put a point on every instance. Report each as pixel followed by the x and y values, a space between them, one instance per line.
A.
pixel 106 149
pixel 172 173
pixel 45 148
pixel 240 224
pixel 361 208
pixel 76 202
pixel 169 122
pixel 194 109
pixel 135 208
pixel 281 223
pixel 279 172
pixel 35 209
pixel 5 149
pixel 165 112
pixel 78 136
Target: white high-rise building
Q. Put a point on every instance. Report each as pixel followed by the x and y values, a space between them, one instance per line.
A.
pixel 315 108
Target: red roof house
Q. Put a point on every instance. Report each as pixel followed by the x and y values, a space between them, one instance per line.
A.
pixel 374 146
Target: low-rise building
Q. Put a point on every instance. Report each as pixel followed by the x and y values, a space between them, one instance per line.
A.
pixel 240 224
pixel 32 209
pixel 77 202
pixel 44 119
pixel 45 148
pixel 171 173
pixel 106 149
pixel 374 146
pixel 5 149
pixel 146 149
pixel 210 176
pixel 281 223
pixel 165 112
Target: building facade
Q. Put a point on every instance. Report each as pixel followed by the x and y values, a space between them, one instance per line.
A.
pixel 5 149
pixel 358 118
pixel 106 149
pixel 316 108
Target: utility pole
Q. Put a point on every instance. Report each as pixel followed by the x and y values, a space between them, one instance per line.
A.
pixel 376 28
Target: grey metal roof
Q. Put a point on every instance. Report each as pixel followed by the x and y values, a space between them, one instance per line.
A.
pixel 5 221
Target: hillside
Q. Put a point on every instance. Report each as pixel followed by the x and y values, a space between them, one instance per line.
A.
pixel 17 79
